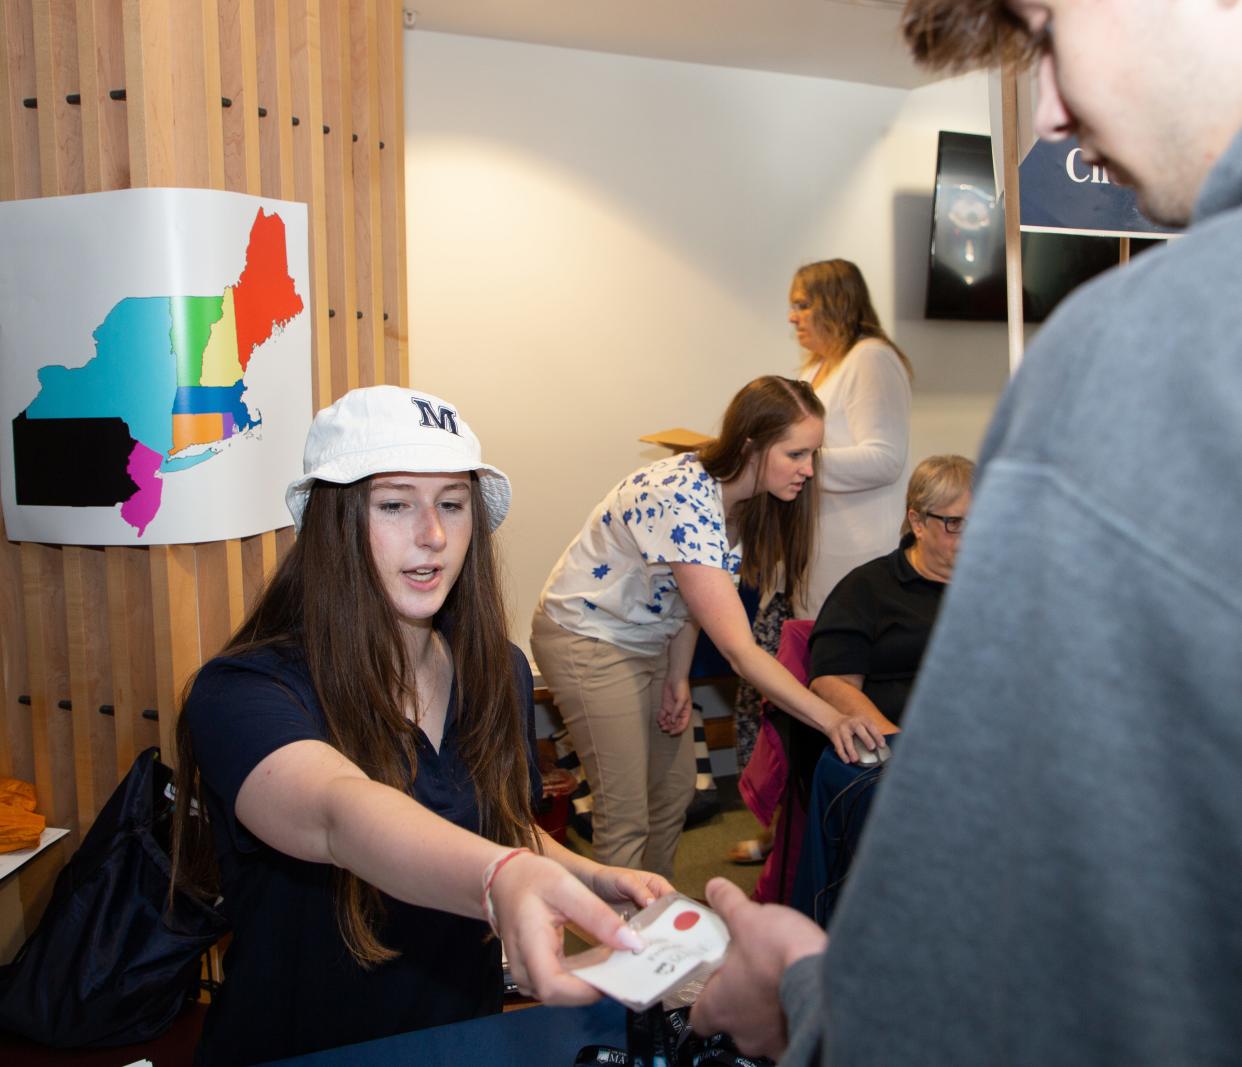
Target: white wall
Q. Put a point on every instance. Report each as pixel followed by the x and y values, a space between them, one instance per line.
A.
pixel 601 246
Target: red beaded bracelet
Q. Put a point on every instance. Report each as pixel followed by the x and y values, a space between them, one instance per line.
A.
pixel 489 876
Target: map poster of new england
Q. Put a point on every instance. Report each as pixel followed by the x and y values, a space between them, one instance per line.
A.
pixel 155 365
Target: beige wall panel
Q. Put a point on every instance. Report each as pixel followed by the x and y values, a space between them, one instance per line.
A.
pixel 101 71
pixel 47 657
pixel 19 170
pixel 239 84
pixel 90 679
pixel 308 171
pixel 56 75
pixel 284 541
pixel 275 98
pixel 198 141
pixel 339 195
pixel 252 558
pixel 368 226
pixel 17 749
pixel 178 649
pixel 19 124
pixel 132 626
pixel 390 142
pixel 149 89
pixel 214 582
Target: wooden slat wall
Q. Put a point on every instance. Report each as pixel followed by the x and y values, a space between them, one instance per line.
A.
pixel 296 99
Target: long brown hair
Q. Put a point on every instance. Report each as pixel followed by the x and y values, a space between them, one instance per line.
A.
pixel 773 532
pixel 326 600
pixel 841 306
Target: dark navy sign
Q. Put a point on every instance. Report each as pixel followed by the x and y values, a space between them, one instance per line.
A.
pixel 1060 191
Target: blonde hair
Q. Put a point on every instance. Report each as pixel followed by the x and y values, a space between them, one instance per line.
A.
pixel 937 481
pixel 841 306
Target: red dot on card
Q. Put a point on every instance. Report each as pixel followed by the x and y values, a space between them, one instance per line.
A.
pixel 686 920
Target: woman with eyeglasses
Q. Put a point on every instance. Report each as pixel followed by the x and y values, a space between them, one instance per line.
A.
pixel 866 648
pixel 872 630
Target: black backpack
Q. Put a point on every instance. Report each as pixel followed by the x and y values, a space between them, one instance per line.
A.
pixel 109 964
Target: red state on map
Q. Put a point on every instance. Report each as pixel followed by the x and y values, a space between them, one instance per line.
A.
pixel 264 296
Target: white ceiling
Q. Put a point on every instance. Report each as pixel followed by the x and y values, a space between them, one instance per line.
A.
pixel 853 40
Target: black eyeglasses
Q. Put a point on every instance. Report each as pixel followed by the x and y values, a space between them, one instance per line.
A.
pixel 953 524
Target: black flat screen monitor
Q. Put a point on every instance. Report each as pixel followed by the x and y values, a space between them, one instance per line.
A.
pixel 966 275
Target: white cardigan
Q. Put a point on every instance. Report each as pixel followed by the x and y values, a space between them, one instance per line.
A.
pixel 864 465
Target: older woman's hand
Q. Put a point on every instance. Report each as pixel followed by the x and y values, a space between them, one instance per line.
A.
pixel 851 733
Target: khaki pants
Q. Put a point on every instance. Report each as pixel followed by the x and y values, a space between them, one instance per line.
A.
pixel 642 780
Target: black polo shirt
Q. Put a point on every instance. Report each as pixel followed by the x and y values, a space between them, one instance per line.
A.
pixel 291 986
pixel 876 623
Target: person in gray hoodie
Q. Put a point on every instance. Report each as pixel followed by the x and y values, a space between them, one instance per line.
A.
pixel 1053 872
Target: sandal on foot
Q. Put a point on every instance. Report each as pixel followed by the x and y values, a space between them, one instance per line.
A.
pixel 750 851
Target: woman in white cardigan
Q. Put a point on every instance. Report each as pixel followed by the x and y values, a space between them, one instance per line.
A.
pixel 863 380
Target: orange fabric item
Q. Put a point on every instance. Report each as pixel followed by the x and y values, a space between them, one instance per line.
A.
pixel 20 825
pixel 15 791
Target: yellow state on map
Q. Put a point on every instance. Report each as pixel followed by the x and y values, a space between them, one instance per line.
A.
pixel 220 363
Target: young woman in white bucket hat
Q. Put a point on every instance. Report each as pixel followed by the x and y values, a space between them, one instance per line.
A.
pixel 364 751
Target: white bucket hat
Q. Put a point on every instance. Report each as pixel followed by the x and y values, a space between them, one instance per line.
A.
pixel 386 428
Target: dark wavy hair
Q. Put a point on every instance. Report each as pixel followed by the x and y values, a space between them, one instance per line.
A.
pixel 326 599
pixel 773 532
pixel 841 304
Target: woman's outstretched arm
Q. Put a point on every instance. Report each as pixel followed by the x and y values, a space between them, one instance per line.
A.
pixel 714 602
pixel 310 802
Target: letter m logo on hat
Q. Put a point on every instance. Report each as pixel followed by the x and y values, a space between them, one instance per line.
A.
pixel 445 419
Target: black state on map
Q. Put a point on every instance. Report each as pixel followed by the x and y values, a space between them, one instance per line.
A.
pixel 81 462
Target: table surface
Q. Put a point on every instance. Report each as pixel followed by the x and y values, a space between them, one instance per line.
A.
pixel 531 1037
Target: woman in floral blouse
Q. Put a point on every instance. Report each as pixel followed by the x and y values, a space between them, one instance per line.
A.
pixel 658 558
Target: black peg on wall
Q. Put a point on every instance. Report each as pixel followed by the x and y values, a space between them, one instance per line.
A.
pixel 107 709
pixel 151 713
pixel 385 316
pixel 297 121
pixel 65 705
pixel 381 146
pixel 355 138
pixel 327 128
pixel 357 314
pixel 331 313
pixel 116 94
pixel 262 112
pixel 31 102
pixel 225 102
pixel 24 699
pixel 73 98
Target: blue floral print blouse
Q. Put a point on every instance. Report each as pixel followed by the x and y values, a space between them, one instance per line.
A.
pixel 614 581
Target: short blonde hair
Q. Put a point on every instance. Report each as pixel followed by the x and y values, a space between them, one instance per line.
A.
pixel 936 482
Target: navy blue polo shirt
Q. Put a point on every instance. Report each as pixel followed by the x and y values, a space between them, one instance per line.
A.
pixel 291 986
